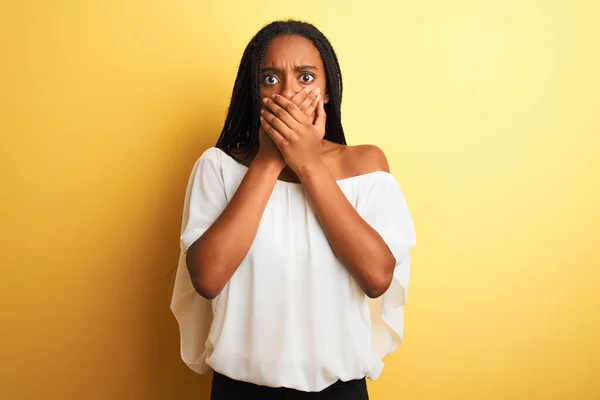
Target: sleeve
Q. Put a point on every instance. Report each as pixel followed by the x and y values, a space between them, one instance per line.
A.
pixel 205 199
pixel 384 208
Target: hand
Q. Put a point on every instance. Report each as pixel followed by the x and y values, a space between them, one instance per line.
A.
pixel 314 110
pixel 309 102
pixel 293 132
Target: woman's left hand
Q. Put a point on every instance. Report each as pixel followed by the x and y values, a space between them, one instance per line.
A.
pixel 293 132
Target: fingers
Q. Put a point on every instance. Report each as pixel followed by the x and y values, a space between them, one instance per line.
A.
pixel 313 107
pixel 299 97
pixel 275 109
pixel 310 102
pixel 275 127
pixel 290 108
pixel 272 132
pixel 320 117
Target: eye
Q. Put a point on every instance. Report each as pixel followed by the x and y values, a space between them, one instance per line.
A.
pixel 307 78
pixel 270 80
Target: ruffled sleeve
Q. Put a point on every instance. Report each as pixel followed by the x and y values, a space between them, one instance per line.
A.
pixel 205 199
pixel 384 207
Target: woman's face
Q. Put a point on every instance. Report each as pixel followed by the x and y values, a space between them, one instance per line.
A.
pixel 290 64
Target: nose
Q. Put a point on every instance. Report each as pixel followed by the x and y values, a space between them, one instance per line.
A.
pixel 289 88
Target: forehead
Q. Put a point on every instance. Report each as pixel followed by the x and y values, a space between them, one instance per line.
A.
pixel 291 50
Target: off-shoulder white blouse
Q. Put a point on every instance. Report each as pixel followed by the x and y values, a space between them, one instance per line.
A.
pixel 291 315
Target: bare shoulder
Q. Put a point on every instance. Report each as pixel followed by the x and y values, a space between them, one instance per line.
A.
pixel 366 158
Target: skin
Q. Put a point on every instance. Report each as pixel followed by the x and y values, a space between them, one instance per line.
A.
pixel 292 148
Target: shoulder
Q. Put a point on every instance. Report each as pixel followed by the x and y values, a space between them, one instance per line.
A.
pixel 210 161
pixel 213 154
pixel 219 156
pixel 366 158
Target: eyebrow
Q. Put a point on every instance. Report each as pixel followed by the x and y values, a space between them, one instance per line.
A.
pixel 298 68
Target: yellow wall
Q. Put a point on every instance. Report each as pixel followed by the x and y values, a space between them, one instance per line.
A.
pixel 488 112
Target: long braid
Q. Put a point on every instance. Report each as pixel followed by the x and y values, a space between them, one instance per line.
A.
pixel 257 61
pixel 333 126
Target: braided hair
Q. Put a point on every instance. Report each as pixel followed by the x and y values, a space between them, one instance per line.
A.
pixel 242 122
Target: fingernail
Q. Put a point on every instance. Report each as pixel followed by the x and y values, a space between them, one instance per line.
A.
pixel 265 100
pixel 318 90
pixel 262 111
pixel 274 96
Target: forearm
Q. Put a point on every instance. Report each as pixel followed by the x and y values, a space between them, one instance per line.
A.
pixel 215 256
pixel 358 246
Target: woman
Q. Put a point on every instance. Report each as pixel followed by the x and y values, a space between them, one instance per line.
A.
pixel 287 232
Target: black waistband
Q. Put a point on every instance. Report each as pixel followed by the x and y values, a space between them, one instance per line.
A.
pixel 224 387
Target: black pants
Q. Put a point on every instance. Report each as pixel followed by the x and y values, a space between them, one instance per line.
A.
pixel 225 388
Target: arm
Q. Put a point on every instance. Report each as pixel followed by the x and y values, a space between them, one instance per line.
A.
pixel 359 247
pixel 215 256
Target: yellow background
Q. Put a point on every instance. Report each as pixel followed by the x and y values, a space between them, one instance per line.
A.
pixel 489 112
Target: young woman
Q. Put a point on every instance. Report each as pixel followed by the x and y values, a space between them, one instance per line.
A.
pixel 287 233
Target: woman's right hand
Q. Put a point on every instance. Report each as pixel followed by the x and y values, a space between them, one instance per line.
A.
pixel 306 100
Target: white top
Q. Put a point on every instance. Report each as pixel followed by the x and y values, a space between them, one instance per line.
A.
pixel 291 315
